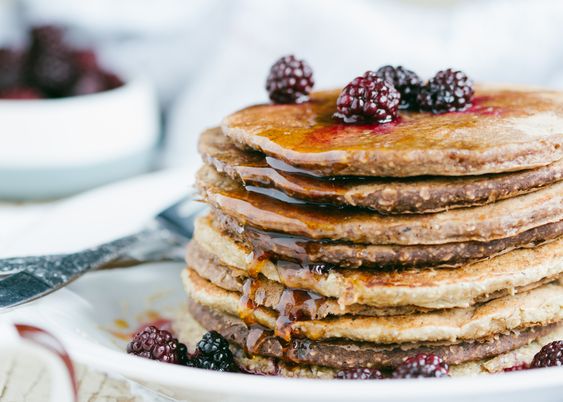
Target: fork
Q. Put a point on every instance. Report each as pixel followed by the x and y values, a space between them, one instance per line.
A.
pixel 24 279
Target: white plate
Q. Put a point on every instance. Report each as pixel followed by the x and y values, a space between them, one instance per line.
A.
pixel 82 316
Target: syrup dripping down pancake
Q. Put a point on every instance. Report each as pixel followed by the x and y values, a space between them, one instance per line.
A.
pixel 430 289
pixel 255 342
pixel 394 196
pixel 489 222
pixel 539 306
pixel 341 292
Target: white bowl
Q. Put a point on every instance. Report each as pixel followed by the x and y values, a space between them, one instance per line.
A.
pixel 54 147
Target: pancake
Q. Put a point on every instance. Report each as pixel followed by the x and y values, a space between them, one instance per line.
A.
pixel 490 222
pixel 267 293
pixel 351 255
pixel 507 129
pixel 190 331
pixel 540 306
pixel 349 354
pixel 415 195
pixel 428 289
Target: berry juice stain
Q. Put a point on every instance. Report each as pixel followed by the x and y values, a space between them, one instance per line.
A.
pixel 302 132
pixel 121 328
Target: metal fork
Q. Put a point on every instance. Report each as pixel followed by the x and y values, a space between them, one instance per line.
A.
pixel 24 279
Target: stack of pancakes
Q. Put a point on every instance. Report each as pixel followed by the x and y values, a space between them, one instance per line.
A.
pixel 332 246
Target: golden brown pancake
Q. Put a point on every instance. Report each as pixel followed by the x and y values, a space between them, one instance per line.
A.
pixel 414 195
pixel 489 222
pixel 361 293
pixel 429 288
pixel 539 306
pixel 344 354
pixel 507 129
pixel 352 255
pixel 190 332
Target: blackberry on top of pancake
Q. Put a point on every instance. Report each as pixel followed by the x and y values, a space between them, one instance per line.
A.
pixel 507 129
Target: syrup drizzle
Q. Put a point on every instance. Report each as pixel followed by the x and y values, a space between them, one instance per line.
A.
pixel 247 306
pixel 257 335
pixel 259 260
pixel 293 305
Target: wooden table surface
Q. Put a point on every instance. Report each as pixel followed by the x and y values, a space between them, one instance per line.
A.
pixel 26 380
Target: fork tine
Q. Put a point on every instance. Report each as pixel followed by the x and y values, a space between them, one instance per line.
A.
pixel 20 288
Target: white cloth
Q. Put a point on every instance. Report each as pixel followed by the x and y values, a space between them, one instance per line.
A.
pixel 88 219
pixel 502 41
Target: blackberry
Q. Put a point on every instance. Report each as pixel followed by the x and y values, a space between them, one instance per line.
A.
pixel 551 355
pixel 51 64
pixel 447 91
pixel 11 66
pixel 405 81
pixel 421 366
pixel 92 78
pixel 112 80
pixel 359 374
pixel 89 83
pixel 368 99
pixel 518 367
pixel 213 353
pixel 85 60
pixel 156 344
pixel 290 80
pixel 20 93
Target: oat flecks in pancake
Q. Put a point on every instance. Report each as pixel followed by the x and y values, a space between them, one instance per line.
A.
pixel 424 288
pixel 494 221
pixel 354 255
pixel 540 306
pixel 190 331
pixel 508 129
pixel 414 195
pixel 346 354
pixel 269 293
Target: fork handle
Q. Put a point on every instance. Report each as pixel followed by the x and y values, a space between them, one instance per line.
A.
pixel 62 268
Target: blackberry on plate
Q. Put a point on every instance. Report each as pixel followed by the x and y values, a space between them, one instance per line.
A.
pixel 155 344
pixel 368 99
pixel 359 374
pixel 422 366
pixel 517 367
pixel 551 355
pixel 405 81
pixel 447 91
pixel 213 353
pixel 290 80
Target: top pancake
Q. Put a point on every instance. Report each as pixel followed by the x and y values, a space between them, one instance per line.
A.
pixel 507 129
